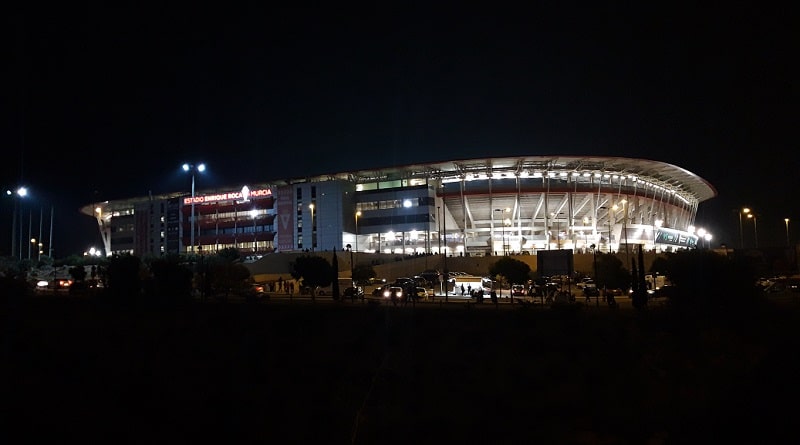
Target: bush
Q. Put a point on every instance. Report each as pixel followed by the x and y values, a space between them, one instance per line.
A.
pixel 706 282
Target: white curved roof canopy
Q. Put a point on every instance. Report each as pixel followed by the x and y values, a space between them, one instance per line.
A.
pixel 681 181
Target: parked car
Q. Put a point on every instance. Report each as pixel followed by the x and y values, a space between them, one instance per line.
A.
pixel 394 293
pixel 420 293
pixel 353 292
pixel 404 281
pixel 378 291
pixel 431 276
pixel 592 291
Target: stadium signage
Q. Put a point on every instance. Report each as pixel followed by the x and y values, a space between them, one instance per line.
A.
pixel 240 195
pixel 675 237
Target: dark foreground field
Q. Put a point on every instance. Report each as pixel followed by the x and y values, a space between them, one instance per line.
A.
pixel 77 371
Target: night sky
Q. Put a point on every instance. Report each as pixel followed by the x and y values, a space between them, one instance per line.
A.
pixel 108 103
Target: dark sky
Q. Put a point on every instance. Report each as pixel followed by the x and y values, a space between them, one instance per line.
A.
pixel 107 103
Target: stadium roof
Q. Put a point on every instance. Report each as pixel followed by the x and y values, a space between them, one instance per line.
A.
pixel 657 172
pixel 660 173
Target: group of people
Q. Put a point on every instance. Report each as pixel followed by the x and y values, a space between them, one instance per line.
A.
pixel 478 294
pixel 286 286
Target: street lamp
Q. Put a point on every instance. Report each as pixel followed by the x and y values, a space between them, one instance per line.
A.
pixel 311 206
pixel 41 217
pixel 438 232
pixel 615 207
pixel 193 168
pixel 20 192
pixel 608 221
pixel 596 283
pixel 358 213
pixel 558 228
pixel 741 236
pixel 786 220
pixel 503 228
pixel 755 226
pixel 701 233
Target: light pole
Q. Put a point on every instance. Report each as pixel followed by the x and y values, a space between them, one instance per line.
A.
pixel 746 211
pixel 254 214
pixel 193 168
pixel 596 283
pixel 311 206
pixel 624 226
pixel 439 231
pixel 358 213
pixel 50 244
pixel 786 220
pixel 703 234
pixel 558 228
pixel 352 265
pixel 41 216
pixel 20 192
pixel 608 221
pixel 502 228
pixel 502 232
pixel 755 226
pixel 30 233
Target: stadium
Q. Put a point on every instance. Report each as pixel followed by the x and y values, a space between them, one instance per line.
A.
pixel 471 207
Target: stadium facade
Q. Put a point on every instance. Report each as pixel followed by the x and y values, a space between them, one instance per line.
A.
pixel 463 207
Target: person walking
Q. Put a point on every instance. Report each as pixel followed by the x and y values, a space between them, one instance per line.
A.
pixel 462 290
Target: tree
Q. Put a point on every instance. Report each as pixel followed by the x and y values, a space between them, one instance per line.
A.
pixel 363 272
pixel 708 282
pixel 660 264
pixel 231 254
pixel 639 297
pixel 78 273
pixel 124 276
pixel 315 271
pixel 513 270
pixel 611 273
pixel 224 275
pixel 172 281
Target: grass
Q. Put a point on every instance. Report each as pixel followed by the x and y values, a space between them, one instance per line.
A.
pixel 321 373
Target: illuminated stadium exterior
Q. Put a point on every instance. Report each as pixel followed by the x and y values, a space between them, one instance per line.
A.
pixel 463 207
